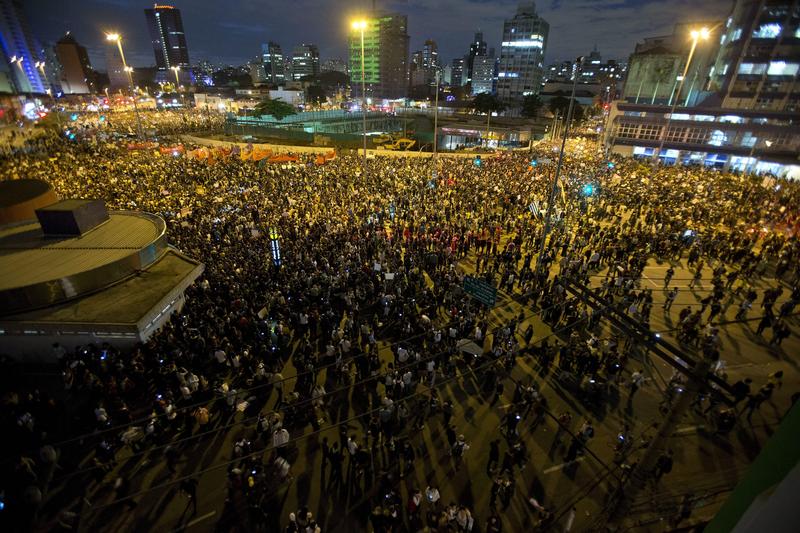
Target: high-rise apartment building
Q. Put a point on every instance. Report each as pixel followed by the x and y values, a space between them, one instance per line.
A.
pixel 75 74
pixel 272 57
pixel 521 69
pixel 305 61
pixel 385 56
pixel 758 62
pixel 167 37
pixel 20 50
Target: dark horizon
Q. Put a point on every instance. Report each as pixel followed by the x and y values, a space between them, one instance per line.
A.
pixel 576 27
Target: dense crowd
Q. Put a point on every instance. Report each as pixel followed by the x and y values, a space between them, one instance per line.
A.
pixel 365 313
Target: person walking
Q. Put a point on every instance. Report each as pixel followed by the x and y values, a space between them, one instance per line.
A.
pixel 189 487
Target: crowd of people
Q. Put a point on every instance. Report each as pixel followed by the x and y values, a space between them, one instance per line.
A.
pixel 341 346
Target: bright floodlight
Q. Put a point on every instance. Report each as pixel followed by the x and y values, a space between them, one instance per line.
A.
pixel 112 36
pixel 359 24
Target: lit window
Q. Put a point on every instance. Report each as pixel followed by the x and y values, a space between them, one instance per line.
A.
pixel 782 68
pixel 752 68
pixel 725 69
pixel 717 138
pixel 768 31
pixel 737 33
pixel 731 118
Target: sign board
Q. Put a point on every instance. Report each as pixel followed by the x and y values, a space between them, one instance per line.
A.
pixel 480 290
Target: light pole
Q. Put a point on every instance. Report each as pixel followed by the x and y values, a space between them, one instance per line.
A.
pixel 361 25
pixel 55 108
pixel 436 123
pixel 552 198
pixel 117 38
pixel 702 33
pixel 178 84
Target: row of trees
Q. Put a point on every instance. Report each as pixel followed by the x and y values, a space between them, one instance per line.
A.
pixel 486 103
pixel 483 103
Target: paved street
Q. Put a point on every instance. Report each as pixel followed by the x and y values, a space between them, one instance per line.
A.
pixel 710 464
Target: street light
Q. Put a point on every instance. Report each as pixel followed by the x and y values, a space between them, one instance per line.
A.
pixel 361 25
pixel 702 33
pixel 117 38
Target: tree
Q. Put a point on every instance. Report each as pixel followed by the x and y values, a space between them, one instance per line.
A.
pixel 560 105
pixel 275 107
pixel 487 103
pixel 315 95
pixel 531 105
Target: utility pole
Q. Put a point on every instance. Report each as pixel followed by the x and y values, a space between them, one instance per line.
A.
pixel 551 199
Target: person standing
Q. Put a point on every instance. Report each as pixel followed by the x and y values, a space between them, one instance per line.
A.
pixel 494 456
pixel 189 487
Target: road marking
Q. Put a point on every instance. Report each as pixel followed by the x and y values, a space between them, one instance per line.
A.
pixel 195 521
pixel 561 466
pixel 690 429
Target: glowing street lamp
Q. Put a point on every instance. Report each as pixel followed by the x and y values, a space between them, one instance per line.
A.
pixel 361 25
pixel 117 38
pixel 703 33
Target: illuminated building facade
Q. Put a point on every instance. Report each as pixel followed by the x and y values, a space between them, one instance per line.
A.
pixel 524 43
pixel 386 44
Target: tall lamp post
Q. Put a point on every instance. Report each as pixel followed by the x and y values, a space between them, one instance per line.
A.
pixel 702 33
pixel 436 124
pixel 552 198
pixel 178 84
pixel 361 25
pixel 117 38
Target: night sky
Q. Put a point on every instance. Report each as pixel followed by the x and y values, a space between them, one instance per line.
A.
pixel 231 31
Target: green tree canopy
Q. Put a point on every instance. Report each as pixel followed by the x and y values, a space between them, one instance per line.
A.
pixel 487 103
pixel 275 107
pixel 560 105
pixel 531 105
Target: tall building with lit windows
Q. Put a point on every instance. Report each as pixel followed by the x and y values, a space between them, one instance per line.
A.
pixel 758 61
pixel 20 52
pixel 167 37
pixel 386 43
pixel 272 58
pixel 739 110
pixel 305 61
pixel 521 70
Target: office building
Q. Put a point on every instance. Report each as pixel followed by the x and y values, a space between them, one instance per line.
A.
pixel 521 69
pixel 741 112
pixel 457 77
pixel 335 65
pixel 272 57
pixel 258 74
pixel 168 39
pixel 385 56
pixel 305 61
pixel 483 74
pixel 20 50
pixel 424 65
pixel 657 63
pixel 476 48
pixel 75 72
pixel 758 62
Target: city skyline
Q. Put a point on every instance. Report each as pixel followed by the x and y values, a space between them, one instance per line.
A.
pixel 204 20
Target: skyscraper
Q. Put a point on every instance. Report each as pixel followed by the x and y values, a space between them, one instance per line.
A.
pixel 20 49
pixel 272 57
pixel 168 38
pixel 483 73
pixel 385 56
pixel 522 54
pixel 457 75
pixel 76 71
pixel 476 48
pixel 305 61
pixel 117 77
